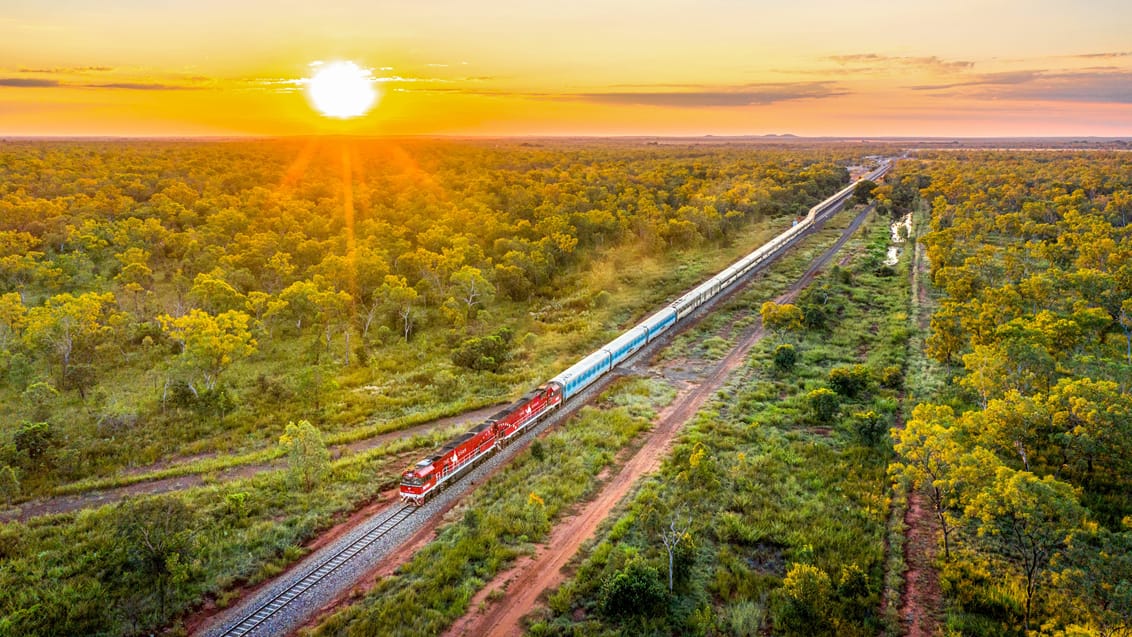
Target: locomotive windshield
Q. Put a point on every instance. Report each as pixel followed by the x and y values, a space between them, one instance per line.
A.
pixel 412 480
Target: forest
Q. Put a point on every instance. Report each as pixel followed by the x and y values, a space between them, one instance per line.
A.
pixel 1025 454
pixel 255 316
pixel 174 308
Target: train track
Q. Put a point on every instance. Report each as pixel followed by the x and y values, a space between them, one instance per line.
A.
pixel 277 603
pixel 317 574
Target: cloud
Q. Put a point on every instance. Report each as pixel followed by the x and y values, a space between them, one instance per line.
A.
pixel 927 62
pixel 1046 86
pixel 747 95
pixel 141 86
pixel 1011 77
pixel 72 69
pixel 1113 54
pixel 27 82
pixel 691 96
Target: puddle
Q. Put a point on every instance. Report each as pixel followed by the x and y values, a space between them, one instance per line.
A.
pixel 900 231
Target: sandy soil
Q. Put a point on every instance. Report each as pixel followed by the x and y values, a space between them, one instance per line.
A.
pixel 68 503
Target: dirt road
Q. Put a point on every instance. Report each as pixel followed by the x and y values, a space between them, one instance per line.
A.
pixel 526 581
pixel 68 503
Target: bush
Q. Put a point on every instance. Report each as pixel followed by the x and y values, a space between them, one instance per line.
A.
pixel 803 603
pixel 34 439
pixel 823 404
pixel 538 452
pixel 785 357
pixel 869 427
pixel 849 381
pixel 634 590
pixel 487 353
pixel 892 377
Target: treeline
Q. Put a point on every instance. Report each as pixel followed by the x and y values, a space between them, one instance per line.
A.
pixel 1027 459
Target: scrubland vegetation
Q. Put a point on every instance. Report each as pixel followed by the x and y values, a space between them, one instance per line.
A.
pixel 171 307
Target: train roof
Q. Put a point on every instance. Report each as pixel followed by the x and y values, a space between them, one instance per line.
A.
pixel 502 413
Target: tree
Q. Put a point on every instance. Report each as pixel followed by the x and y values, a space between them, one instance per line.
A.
pixel 1097 575
pixel 823 404
pixel 13 318
pixel 785 357
pixel 672 538
pixel 804 601
pixel 210 344
pixel 947 336
pixel 216 295
pixel 849 381
pixel 1125 321
pixel 1027 520
pixel 156 534
pixel 308 460
pixel 397 294
pixel 9 484
pixel 71 327
pixel 34 439
pixel 1092 421
pixel 484 353
pixel 471 289
pixel 633 590
pixel 863 191
pixel 781 318
pixel 929 459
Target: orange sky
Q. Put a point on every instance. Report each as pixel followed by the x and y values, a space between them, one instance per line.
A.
pixel 597 67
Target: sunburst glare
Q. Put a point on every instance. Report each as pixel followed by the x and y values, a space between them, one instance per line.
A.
pixel 342 90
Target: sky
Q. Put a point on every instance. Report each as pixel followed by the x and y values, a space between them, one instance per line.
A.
pixel 582 67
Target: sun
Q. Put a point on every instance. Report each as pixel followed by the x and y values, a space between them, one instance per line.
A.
pixel 341 89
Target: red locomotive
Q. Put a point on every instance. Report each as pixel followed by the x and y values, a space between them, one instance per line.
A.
pixel 466 451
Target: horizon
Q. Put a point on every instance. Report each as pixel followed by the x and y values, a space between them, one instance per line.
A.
pixel 674 68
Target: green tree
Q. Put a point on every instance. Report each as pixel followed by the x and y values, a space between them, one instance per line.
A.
pixel 851 381
pixel 947 336
pixel 633 590
pixel 1096 575
pixel 823 404
pixel 471 289
pixel 781 318
pixel 804 603
pixel 210 344
pixel 9 484
pixel 1027 520
pixel 71 327
pixel 34 439
pixel 863 191
pixel 156 534
pixel 785 357
pixel 929 459
pixel 215 294
pixel 308 459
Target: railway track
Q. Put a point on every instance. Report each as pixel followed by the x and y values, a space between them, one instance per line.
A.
pixel 266 610
pixel 317 574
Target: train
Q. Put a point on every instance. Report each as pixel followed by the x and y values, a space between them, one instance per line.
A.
pixel 461 454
